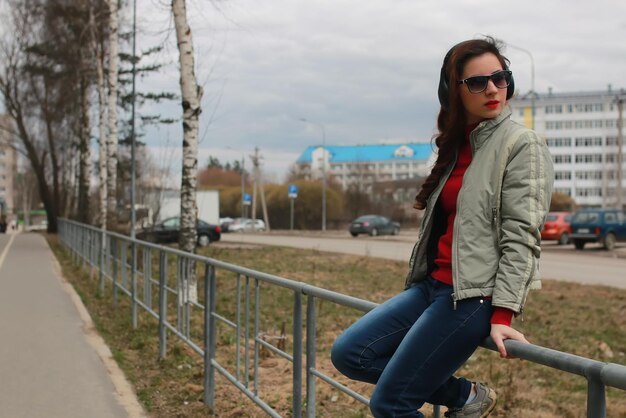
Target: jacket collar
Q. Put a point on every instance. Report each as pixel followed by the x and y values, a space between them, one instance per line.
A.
pixel 487 127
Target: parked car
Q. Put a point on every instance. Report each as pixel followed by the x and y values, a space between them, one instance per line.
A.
pixel 247 225
pixel 374 225
pixel 225 223
pixel 557 227
pixel 606 226
pixel 168 231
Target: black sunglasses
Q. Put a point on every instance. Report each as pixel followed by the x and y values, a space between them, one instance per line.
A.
pixel 478 84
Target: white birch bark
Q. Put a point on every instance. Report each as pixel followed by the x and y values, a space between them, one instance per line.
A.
pixel 191 94
pixel 112 108
pixel 85 154
pixel 102 140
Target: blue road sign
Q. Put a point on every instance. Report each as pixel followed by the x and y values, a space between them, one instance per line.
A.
pixel 247 199
pixel 293 191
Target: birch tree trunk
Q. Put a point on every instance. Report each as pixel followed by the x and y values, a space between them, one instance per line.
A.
pixel 84 172
pixel 112 140
pixel 98 49
pixel 191 94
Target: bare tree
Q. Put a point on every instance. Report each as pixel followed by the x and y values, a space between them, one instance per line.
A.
pixel 67 24
pixel 38 96
pixel 112 109
pixel 191 94
pixel 97 46
pixel 84 144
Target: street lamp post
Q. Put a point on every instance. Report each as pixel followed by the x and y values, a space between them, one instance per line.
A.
pixel 323 169
pixel 532 81
pixel 620 143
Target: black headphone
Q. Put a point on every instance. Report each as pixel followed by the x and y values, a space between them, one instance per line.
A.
pixel 444 90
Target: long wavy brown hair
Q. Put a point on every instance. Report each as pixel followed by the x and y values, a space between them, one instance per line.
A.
pixel 451 120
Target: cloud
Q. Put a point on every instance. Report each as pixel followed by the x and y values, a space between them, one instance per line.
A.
pixel 366 71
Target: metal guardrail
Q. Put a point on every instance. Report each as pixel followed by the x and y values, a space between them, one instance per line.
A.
pixel 108 253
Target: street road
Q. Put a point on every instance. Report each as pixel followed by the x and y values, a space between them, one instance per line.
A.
pixel 591 266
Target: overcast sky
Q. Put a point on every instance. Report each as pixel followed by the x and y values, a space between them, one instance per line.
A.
pixel 360 71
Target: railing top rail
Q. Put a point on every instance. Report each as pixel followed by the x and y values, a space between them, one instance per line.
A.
pixel 610 374
pixel 265 277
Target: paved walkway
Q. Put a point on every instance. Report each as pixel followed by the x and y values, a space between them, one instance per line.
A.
pixel 52 362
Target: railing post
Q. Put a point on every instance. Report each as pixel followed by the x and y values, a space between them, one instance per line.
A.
pixel 190 273
pixel 114 262
pixel 76 245
pixel 210 342
pixel 246 338
pixel 238 329
pixel 83 247
pixel 133 283
pixel 297 354
pixel 162 303
pixel 257 331
pixel 95 250
pixel 79 261
pixel 596 398
pixel 147 277
pixel 93 247
pixel 123 259
pixel 103 250
pixel 180 294
pixel 73 243
pixel 436 411
pixel 310 356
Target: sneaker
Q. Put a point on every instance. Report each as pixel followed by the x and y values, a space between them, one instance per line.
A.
pixel 480 407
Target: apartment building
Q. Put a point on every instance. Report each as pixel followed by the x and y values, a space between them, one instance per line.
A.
pixel 367 165
pixel 582 130
pixel 8 169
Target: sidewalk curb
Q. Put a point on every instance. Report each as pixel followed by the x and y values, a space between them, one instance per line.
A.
pixel 124 392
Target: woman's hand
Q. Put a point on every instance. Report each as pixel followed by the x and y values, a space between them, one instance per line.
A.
pixel 499 333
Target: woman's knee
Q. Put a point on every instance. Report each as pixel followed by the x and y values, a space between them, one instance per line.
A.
pixel 340 354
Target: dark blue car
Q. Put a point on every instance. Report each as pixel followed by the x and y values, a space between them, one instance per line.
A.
pixel 374 225
pixel 606 226
pixel 168 231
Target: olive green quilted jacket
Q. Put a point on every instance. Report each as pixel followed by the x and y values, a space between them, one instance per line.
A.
pixel 501 208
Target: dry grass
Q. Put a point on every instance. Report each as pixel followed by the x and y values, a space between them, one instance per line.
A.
pixel 585 320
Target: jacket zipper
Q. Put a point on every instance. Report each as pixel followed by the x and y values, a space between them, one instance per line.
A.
pixel 496 227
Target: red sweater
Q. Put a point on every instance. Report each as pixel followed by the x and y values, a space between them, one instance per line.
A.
pixel 448 199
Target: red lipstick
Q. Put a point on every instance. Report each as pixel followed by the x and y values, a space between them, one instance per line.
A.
pixel 492 104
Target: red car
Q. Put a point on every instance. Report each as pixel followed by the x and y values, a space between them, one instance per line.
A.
pixel 557 227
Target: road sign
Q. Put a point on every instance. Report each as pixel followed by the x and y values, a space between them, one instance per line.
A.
pixel 247 199
pixel 293 191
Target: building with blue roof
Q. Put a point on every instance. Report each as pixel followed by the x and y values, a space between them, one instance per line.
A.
pixel 367 164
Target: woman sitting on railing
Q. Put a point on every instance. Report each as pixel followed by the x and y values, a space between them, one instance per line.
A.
pixel 477 255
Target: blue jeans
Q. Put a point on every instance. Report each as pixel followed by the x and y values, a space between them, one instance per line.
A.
pixel 411 345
